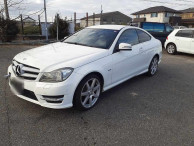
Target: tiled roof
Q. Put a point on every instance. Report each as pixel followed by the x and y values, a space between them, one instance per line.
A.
pixel 156 10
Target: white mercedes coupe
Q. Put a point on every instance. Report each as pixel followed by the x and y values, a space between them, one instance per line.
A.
pixel 76 71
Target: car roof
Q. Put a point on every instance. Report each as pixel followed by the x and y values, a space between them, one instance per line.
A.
pixel 113 27
pixel 185 29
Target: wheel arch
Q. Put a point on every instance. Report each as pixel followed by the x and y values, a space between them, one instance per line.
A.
pixel 91 73
pixel 171 43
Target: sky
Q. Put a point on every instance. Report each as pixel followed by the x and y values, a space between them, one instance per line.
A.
pixel 66 8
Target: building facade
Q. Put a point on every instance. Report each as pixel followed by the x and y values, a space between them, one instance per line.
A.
pixel 188 17
pixel 159 14
pixel 106 18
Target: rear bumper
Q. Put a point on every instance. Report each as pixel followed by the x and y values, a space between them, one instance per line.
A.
pixel 39 93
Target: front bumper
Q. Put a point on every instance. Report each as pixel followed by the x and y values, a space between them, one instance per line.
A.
pixel 39 93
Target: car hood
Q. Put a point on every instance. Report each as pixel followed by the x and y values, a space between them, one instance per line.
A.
pixel 60 55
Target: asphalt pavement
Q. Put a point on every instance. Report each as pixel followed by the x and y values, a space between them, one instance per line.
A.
pixel 154 111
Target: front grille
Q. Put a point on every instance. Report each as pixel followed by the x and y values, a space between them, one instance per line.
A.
pixel 25 71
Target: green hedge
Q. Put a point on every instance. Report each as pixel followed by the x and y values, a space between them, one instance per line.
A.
pixel 31 30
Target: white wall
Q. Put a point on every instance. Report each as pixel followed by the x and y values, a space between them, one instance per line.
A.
pixel 161 17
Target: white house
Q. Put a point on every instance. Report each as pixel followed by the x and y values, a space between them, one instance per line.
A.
pixel 155 14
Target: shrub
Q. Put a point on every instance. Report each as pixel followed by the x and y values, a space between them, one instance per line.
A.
pixel 31 30
pixel 8 30
pixel 63 27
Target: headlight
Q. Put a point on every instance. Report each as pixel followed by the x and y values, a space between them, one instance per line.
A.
pixel 56 76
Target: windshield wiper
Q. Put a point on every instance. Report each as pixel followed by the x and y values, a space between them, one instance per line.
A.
pixel 74 43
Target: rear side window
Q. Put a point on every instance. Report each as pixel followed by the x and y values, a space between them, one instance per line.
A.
pixel 129 36
pixel 158 27
pixel 169 28
pixel 148 26
pixel 185 33
pixel 153 27
pixel 143 36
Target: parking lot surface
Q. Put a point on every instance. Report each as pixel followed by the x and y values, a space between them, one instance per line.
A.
pixel 143 111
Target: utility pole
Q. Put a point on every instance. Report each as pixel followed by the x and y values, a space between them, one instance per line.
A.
pixel 39 24
pixel 75 22
pixel 101 16
pixel 93 18
pixel 22 25
pixel 87 19
pixel 57 19
pixel 6 9
pixel 46 28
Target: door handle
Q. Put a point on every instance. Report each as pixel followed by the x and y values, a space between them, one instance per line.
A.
pixel 140 49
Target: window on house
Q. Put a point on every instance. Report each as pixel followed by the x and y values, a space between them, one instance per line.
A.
pixel 137 16
pixel 104 19
pixel 168 14
pixel 154 14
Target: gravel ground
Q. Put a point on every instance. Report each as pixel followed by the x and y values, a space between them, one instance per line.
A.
pixel 142 111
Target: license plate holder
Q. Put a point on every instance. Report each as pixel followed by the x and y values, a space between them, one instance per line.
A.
pixel 17 84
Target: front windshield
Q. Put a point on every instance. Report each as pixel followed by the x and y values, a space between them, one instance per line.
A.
pixel 99 38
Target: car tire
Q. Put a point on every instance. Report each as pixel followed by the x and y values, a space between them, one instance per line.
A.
pixel 87 93
pixel 171 49
pixel 153 67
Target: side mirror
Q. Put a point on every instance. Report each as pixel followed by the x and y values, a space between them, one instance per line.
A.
pixel 125 47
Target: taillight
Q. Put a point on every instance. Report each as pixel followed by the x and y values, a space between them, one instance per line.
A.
pixel 167 38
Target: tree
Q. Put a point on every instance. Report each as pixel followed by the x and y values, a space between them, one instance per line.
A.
pixel 8 4
pixel 63 28
pixel 8 29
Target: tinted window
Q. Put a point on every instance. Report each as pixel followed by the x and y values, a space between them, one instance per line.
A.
pixel 153 27
pixel 148 26
pixel 99 38
pixel 158 27
pixel 185 33
pixel 129 36
pixel 143 36
pixel 169 28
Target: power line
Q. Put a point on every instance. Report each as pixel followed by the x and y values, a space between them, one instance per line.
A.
pixel 35 12
pixel 185 1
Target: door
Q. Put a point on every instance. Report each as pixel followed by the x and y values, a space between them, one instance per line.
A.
pixel 126 63
pixel 192 44
pixel 183 40
pixel 147 51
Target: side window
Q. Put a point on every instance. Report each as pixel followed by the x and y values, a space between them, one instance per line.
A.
pixel 185 33
pixel 158 27
pixel 193 33
pixel 148 26
pixel 129 36
pixel 154 14
pixel 169 28
pixel 143 36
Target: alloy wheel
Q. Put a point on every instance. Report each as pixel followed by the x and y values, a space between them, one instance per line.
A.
pixel 171 49
pixel 90 92
pixel 154 65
